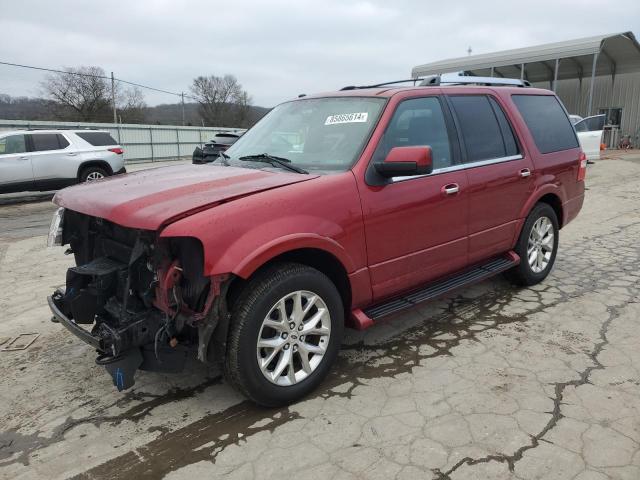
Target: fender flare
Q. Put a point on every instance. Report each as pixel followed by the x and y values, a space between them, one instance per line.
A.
pixel 288 243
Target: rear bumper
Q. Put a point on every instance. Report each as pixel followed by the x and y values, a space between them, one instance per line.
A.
pixel 121 171
pixel 73 327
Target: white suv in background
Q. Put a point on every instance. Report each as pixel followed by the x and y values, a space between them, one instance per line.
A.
pixel 52 159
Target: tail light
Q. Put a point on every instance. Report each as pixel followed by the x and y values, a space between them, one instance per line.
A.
pixel 603 147
pixel 582 169
pixel 117 151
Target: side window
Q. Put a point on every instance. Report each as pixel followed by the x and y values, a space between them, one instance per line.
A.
pixel 547 121
pixel 12 144
pixel 510 143
pixel 479 127
pixel 63 142
pixel 581 126
pixel 45 141
pixel 417 122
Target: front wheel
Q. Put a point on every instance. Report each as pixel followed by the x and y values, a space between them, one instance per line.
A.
pixel 286 331
pixel 537 246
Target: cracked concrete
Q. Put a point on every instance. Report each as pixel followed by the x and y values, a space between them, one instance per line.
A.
pixel 492 382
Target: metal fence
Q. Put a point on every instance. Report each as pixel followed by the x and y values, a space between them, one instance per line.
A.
pixel 140 142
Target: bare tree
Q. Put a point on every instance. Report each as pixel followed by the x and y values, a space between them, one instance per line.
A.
pixel 84 94
pixel 81 93
pixel 131 105
pixel 222 101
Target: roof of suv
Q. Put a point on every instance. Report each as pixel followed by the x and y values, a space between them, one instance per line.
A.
pixel 391 91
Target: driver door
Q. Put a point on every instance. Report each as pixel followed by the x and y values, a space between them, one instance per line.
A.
pixel 416 227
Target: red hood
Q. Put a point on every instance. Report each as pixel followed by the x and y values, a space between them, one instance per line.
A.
pixel 151 198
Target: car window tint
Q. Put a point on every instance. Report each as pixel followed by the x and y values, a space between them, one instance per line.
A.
pixel 510 143
pixel 63 142
pixel 45 141
pixel 416 122
pixel 97 139
pixel 547 121
pixel 479 127
pixel 12 144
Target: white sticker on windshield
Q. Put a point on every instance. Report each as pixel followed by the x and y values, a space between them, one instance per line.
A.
pixel 359 117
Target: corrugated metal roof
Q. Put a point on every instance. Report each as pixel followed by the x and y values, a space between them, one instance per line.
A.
pixel 619 53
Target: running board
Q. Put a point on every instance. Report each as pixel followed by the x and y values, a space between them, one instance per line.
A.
pixel 440 288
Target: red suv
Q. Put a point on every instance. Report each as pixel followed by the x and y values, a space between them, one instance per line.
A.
pixel 335 209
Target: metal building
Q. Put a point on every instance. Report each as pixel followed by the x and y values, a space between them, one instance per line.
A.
pixel 593 75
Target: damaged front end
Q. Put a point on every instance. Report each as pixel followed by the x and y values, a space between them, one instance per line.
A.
pixel 144 300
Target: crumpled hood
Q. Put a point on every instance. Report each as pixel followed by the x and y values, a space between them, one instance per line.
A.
pixel 152 198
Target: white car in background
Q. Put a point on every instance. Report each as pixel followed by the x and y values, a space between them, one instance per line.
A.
pixel 589 132
pixel 52 159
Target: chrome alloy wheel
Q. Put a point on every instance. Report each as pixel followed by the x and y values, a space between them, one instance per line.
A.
pixel 540 245
pixel 293 338
pixel 93 176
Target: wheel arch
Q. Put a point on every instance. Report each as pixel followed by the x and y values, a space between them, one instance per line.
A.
pixel 318 258
pixel 94 163
pixel 554 202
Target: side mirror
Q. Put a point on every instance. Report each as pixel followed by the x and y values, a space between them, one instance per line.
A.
pixel 405 162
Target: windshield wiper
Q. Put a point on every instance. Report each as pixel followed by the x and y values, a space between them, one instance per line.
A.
pixel 273 160
pixel 225 157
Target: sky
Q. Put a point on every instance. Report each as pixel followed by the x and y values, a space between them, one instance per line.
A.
pixel 278 49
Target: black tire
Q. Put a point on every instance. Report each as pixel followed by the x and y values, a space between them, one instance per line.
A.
pixel 248 312
pixel 524 274
pixel 89 172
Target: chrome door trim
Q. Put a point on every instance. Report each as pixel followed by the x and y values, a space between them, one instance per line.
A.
pixel 463 166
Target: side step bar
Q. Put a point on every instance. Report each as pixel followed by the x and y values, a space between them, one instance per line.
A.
pixel 364 319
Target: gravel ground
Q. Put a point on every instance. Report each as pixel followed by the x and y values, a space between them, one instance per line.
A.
pixel 492 382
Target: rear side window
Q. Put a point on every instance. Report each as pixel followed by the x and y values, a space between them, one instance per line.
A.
pixel 547 121
pixel 12 144
pixel 48 141
pixel 97 139
pixel 480 128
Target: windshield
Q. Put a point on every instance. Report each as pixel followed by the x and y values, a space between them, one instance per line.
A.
pixel 319 134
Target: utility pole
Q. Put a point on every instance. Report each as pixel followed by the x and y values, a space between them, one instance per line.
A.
pixel 182 95
pixel 113 99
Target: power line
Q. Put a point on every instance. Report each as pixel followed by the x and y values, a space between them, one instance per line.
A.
pixel 96 76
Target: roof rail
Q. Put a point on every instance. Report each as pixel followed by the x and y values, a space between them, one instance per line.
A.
pixel 449 79
pixel 358 87
pixel 455 79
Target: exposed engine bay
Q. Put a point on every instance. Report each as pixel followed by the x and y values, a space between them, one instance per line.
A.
pixel 146 297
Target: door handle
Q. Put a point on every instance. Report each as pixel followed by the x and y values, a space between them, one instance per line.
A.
pixel 71 154
pixel 525 172
pixel 451 189
pixel 23 158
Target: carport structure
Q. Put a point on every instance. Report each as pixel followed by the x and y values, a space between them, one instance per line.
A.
pixel 582 58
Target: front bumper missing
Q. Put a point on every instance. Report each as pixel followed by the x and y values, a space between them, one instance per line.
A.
pixel 73 327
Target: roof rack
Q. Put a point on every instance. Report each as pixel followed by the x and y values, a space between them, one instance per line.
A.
pixel 456 79
pixel 450 79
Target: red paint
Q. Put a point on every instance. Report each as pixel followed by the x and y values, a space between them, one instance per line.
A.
pixel 389 238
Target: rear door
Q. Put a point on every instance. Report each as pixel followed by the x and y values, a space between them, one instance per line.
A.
pixel 15 164
pixel 416 227
pixel 52 158
pixel 589 132
pixel 499 173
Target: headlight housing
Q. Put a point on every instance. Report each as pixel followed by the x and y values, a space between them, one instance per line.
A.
pixel 55 229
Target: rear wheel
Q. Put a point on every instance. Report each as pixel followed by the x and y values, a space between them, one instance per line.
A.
pixel 91 174
pixel 537 246
pixel 286 332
